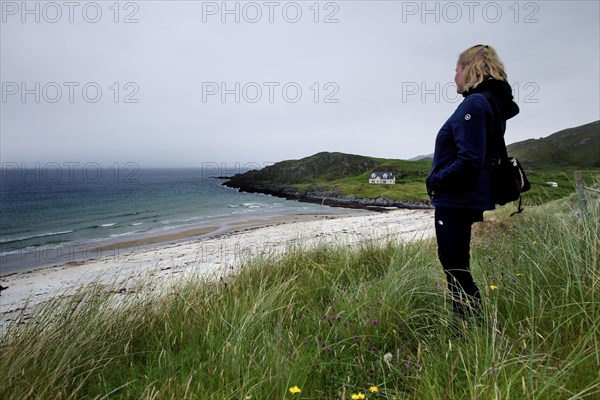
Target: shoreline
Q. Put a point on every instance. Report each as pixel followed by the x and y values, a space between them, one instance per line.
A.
pixel 75 253
pixel 155 267
pixel 327 197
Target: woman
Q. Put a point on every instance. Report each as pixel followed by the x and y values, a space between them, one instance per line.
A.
pixel 459 182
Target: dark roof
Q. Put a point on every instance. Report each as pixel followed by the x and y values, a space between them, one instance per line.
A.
pixel 382 175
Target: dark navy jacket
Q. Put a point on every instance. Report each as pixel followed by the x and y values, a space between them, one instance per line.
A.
pixel 465 151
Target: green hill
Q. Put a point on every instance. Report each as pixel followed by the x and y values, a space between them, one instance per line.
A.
pixel 325 168
pixel 320 167
pixel 339 178
pixel 577 147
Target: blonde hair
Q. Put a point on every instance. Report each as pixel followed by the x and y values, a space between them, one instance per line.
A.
pixel 482 62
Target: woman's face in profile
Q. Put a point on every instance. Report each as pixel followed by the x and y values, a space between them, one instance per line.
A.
pixel 459 78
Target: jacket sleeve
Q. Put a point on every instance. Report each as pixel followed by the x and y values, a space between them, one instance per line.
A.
pixel 468 125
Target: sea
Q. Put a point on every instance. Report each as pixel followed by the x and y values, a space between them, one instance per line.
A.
pixel 56 215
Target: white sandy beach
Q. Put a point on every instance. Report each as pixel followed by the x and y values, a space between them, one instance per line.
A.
pixel 211 257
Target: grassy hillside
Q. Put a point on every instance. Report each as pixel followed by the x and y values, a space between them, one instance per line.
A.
pixel 577 147
pixel 410 181
pixel 328 167
pixel 346 174
pixel 371 322
pixel 320 167
pixel 556 158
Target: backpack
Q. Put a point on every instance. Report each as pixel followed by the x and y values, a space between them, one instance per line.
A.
pixel 508 178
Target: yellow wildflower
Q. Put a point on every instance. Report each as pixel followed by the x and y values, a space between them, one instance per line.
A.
pixel 358 396
pixel 373 389
pixel 295 389
pixel 493 287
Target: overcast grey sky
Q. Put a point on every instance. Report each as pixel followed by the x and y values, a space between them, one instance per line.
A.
pixel 183 83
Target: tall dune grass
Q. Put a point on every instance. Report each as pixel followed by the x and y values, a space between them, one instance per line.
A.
pixel 337 322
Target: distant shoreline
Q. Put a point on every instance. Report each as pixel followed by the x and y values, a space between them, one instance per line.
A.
pixel 331 199
pixel 77 254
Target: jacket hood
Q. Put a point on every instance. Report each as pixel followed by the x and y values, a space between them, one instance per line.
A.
pixel 502 94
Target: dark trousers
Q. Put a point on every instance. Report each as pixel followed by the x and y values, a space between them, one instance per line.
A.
pixel 453 233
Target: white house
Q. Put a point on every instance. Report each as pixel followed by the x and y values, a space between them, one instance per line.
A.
pixel 387 178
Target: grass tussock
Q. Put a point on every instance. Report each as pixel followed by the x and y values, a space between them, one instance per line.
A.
pixel 337 323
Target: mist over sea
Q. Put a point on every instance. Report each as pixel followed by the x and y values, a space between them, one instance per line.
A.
pixel 46 213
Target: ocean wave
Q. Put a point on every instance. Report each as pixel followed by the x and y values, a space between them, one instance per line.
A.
pixel 187 219
pixel 108 225
pixel 220 215
pixel 137 223
pixel 12 240
pixel 253 205
pixel 39 250
pixel 124 234
pixel 176 221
